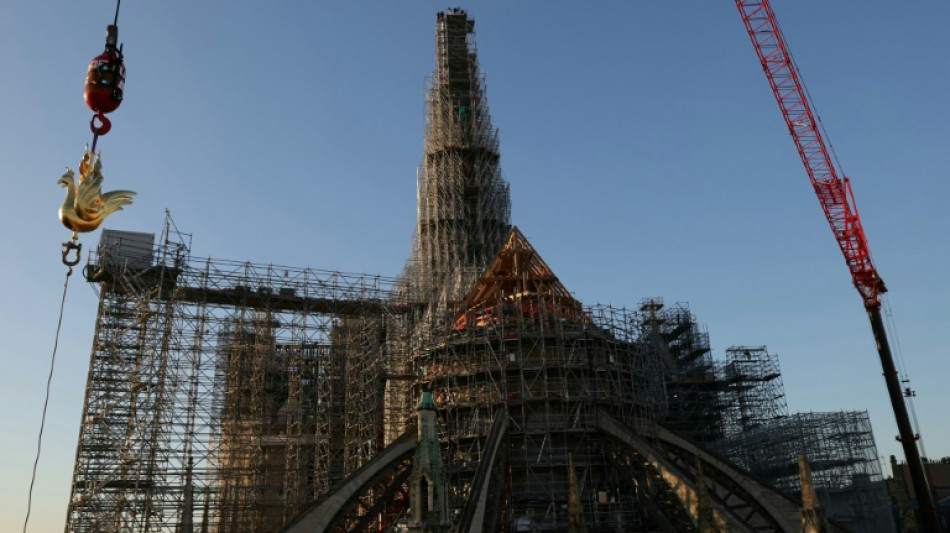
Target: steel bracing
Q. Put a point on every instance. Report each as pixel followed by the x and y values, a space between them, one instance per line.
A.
pixel 840 449
pixel 753 393
pixel 226 395
pixel 694 401
pixel 523 348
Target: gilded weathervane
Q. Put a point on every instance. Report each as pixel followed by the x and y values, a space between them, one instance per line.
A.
pixel 85 205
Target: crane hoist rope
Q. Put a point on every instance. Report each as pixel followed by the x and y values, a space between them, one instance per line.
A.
pixel 86 206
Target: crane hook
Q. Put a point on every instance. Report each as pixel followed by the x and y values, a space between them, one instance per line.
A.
pixel 69 246
pixel 104 124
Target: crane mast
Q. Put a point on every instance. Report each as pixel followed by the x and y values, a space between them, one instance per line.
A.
pixel 837 202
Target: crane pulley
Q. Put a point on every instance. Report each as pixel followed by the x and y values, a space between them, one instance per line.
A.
pixel 105 81
pixel 837 202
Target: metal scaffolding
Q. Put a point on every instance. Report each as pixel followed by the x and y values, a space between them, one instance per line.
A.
pixel 463 202
pixel 223 396
pixel 761 437
pixel 226 396
pixel 753 394
pixel 525 347
pixel 840 449
pixel 694 407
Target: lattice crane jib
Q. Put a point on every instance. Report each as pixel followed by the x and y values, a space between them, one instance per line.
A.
pixel 834 192
pixel 837 201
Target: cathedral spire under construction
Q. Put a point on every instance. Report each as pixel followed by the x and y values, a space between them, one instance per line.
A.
pixel 463 201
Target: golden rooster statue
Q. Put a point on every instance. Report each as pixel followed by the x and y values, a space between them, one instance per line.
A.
pixel 86 206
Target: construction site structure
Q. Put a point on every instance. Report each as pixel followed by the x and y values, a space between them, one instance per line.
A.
pixel 232 397
pixel 523 345
pixel 464 205
pixel 693 387
pixel 845 468
pixel 763 438
pixel 753 392
pixel 223 394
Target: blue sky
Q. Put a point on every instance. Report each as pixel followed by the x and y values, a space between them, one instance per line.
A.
pixel 645 152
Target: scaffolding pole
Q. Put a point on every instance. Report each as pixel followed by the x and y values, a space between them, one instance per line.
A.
pixel 228 394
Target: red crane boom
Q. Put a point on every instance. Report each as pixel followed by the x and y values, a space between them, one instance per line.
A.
pixel 834 193
pixel 837 201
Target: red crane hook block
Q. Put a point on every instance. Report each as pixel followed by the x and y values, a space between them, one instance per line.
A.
pixel 105 77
